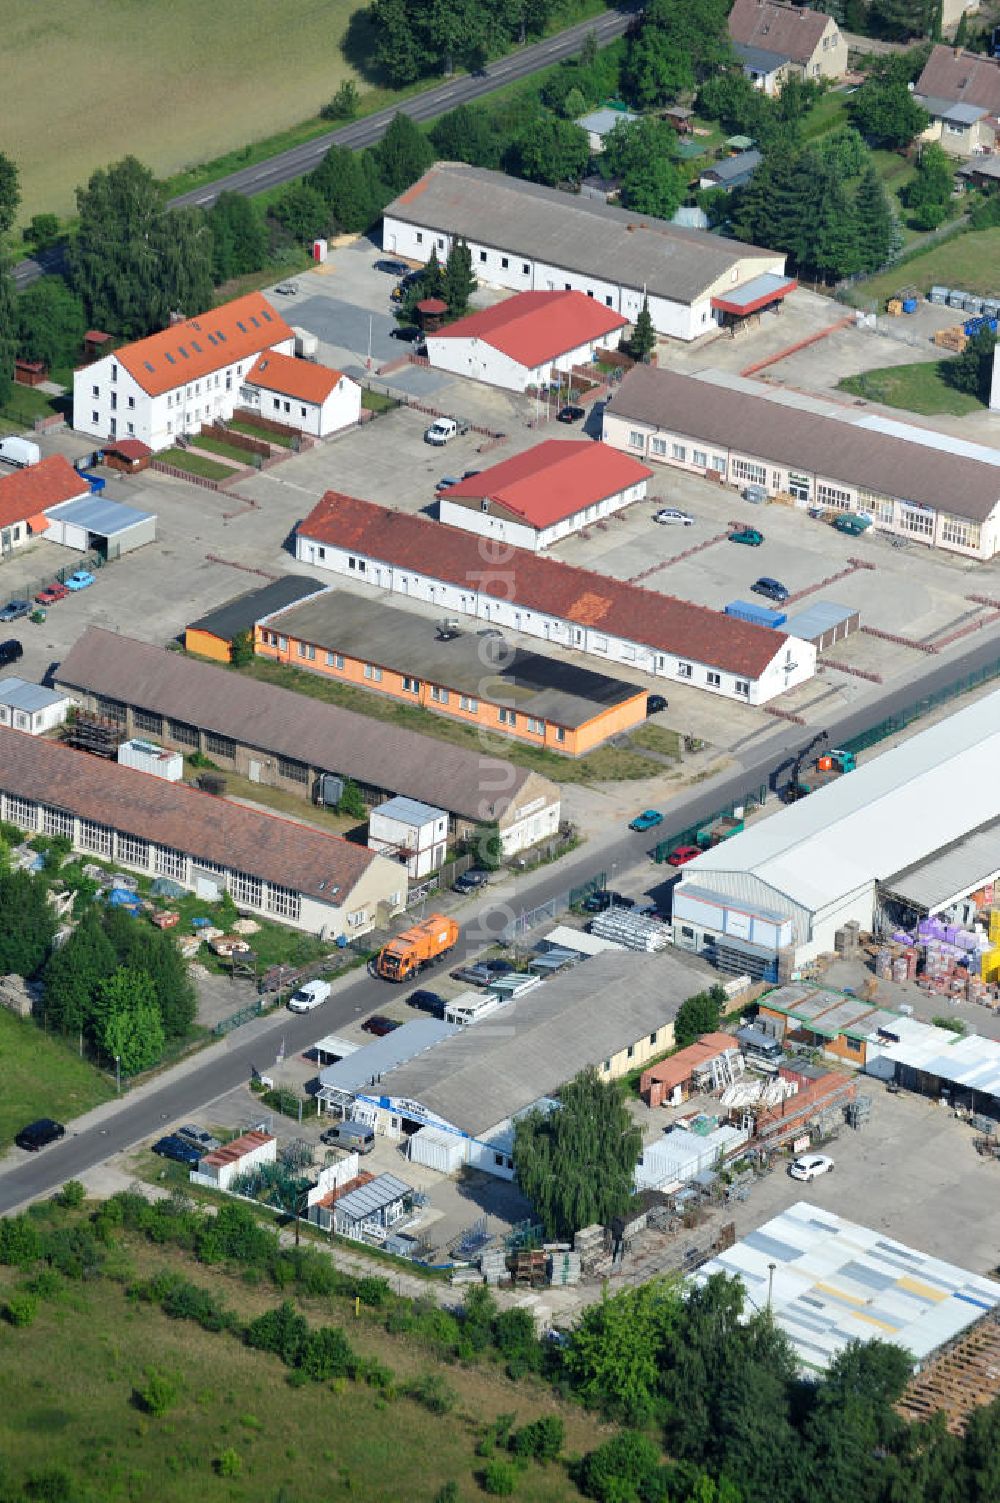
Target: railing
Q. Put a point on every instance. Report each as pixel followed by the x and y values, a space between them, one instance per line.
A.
pixel 754 799
pixel 237 1019
pixel 561 903
pixel 922 706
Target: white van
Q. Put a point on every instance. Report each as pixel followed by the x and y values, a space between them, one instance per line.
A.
pixel 312 994
pixel 441 431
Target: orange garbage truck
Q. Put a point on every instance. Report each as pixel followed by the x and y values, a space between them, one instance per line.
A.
pixel 410 951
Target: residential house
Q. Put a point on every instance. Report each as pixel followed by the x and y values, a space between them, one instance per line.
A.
pixel 26 495
pixel 777 41
pixel 600 123
pixel 961 92
pixel 300 394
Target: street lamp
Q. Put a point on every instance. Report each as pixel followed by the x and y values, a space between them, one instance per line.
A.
pixel 118 1074
pixel 770 1281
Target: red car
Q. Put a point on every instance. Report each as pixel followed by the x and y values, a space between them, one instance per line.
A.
pixel 51 594
pixel 682 855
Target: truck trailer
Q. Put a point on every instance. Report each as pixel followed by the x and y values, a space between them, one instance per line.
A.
pixel 415 948
pixel 20 452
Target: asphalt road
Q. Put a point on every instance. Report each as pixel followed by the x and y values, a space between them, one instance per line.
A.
pixel 425 106
pixel 187 1091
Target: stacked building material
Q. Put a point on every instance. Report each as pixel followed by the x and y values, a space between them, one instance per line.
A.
pixel 634 931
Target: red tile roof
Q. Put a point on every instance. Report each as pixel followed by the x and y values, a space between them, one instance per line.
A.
pixel 300 379
pixel 791 31
pixel 187 351
pixel 555 589
pixel 535 327
pixel 554 480
pixel 231 1153
pixel 128 448
pixel 26 493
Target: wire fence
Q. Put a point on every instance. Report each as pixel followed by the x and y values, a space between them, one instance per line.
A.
pixel 922 706
pixel 753 799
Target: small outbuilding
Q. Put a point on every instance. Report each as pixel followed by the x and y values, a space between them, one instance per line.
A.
pixel 366 1213
pixel 129 455
pixel 95 525
pixel 29 707
pixel 212 636
pixel 219 1168
pixel 600 123
pixel 411 832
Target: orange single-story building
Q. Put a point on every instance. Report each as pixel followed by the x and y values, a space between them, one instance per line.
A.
pixel 451 669
pixel 710 1061
pixel 212 636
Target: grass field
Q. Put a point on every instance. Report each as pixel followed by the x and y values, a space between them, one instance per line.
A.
pixel 606 764
pixel 219 446
pixel 196 464
pixel 42 1077
pixel 173 84
pixel 968 261
pixel 292 1443
pixel 919 388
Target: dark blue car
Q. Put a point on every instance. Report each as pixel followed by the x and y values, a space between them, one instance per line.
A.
pixel 173 1147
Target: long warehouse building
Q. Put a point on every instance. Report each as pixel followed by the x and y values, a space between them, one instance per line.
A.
pixel 281 739
pixel 905 831
pixel 504 586
pixel 536 239
pixel 924 485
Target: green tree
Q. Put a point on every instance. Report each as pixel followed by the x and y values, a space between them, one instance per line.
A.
pixel 655 186
pixel 134 262
pixel 352 801
pixel 898 20
pixel 575 1164
pixel 972 370
pixel 398 56
pixel 620 1470
pixel 73 973
pixel 27 923
pixel 8 330
pixel 327 1354
pixel 43 232
pixel 403 154
pixel 239 236
pixel 675 45
pixel 928 195
pixel 885 112
pixel 643 341
pixel 129 1027
pixel 874 224
pixel 154 952
pixel 345 187
pixel 551 151
pixel 459 280
pixel 50 323
pixel 467 134
pixel 10 193
pixel 344 104
pixel 614 1354
pixel 241 649
pixel 844 151
pixel 302 212
pixel 700 1014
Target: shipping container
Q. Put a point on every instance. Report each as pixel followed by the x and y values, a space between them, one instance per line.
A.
pixel 938 295
pixel 20 452
pixel 758 615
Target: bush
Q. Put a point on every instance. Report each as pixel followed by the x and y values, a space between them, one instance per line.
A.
pixel 344 104
pixel 433 1392
pixel 447 1494
pixel 159 1393
pixel 499 1479
pixel 20 1308
pixel 229 1464
pixel 542 1439
pixel 282 1331
pixel 327 1354
pixel 72 1195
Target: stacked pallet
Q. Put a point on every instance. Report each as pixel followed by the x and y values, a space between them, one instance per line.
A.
pixel 961 1377
pixel 954 339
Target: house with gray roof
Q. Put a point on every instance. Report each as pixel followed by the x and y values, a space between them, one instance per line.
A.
pixel 531 238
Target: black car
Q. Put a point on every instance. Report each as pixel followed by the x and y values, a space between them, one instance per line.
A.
pixel 655 703
pixel 500 967
pixel 173 1146
pixel 409 332
pixel 380 1026
pixel 471 880
pixel 427 1002
pixel 10 652
pixel 15 610
pixel 40 1134
pixel 772 588
pixel 570 414
pixel 394 268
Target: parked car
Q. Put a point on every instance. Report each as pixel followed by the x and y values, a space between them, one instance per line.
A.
pixel 446 482
pixel 394 268
pixel 647 820
pixel 40 1134
pixel 655 703
pixel 427 1002
pixel 471 880
pixel 80 579
pixel 379 1025
pixel 751 536
pixel 408 332
pixel 51 594
pixel 11 651
pixel 682 855
pixel 772 588
pixel 441 431
pixel 311 994
pixel 811 1166
pixel 287 289
pixel 15 610
pixel 470 474
pixel 570 413
pixel 604 897
pixel 173 1146
pixel 472 975
pixel 500 967
pixel 198 1137
pixel 853 523
pixel 672 516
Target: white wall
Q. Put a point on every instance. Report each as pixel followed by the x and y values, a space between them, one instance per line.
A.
pixel 35 722
pixel 341 408
pixel 428 842
pixel 521 534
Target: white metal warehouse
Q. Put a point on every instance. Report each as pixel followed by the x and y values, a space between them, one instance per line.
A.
pixel 790 882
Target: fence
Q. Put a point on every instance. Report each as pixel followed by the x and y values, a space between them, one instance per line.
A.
pixel 237 1019
pixel 922 706
pixel 90 561
pixel 532 917
pixel 754 799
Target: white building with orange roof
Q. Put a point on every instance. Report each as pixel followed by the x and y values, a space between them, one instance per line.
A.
pixel 168 384
pixel 311 397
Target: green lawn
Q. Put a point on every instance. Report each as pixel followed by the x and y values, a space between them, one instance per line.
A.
pixel 42 1077
pixel 219 446
pixel 919 388
pixel 656 738
pixel 25 404
pixel 967 260
pixel 828 113
pixel 328 1441
pixel 377 401
pixel 285 440
pixel 606 764
pixel 196 464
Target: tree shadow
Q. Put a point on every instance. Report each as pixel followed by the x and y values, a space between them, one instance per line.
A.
pixel 358 47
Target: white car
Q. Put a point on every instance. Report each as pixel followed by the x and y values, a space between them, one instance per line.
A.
pixel 312 994
pixel 811 1167
pixel 672 516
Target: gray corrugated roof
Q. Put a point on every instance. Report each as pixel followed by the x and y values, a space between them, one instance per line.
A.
pixel 244 611
pixel 369 1199
pixel 733 169
pixel 842 449
pixel 410 811
pixel 531 1047
pixel 959 868
pixel 390 1052
pixel 603 121
pixel 20 694
pixel 820 616
pixel 284 723
pixel 565 230
pixel 108 518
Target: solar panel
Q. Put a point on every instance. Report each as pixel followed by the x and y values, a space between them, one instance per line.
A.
pixel 196 346
pixel 255 321
pixel 264 314
pixel 211 339
pixel 185 353
pixel 171 358
pixel 220 336
pixel 241 325
pixel 147 365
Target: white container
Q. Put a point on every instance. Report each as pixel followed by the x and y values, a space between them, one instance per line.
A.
pixel 321 249
pixel 146 756
pixel 20 452
pixel 306 344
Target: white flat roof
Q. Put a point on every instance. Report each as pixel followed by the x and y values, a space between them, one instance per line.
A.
pixel 971 1062
pixel 562 937
pixel 894 812
pixel 835 1281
